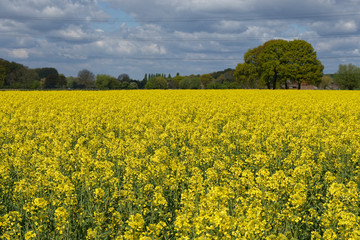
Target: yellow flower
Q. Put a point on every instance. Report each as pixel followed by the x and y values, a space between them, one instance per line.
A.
pixel 30 235
pixel 40 202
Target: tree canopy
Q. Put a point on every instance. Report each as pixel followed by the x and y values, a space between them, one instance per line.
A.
pixel 156 83
pixel 277 63
pixel 86 79
pixel 348 76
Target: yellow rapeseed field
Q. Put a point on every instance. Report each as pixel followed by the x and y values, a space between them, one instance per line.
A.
pixel 217 164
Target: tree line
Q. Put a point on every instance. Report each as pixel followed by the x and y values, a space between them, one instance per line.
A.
pixel 276 64
pixel 17 76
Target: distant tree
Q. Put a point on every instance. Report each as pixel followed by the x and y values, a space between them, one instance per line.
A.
pixel 3 73
pixel 50 76
pixel 124 80
pixel 247 76
pixel 72 82
pixel 142 84
pixel 51 81
pixel 86 79
pixel 106 82
pixel 133 85
pixel 35 84
pixel 156 83
pixel 216 85
pixel 348 76
pixel 21 77
pixel 326 82
pixel 176 81
pixel 124 77
pixel 184 83
pixel 31 79
pixel 44 72
pixel 206 79
pixel 190 82
pixel 61 81
pixel 172 84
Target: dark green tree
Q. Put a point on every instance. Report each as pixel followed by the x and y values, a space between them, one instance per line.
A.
pixel 133 85
pixel 300 64
pixel 348 76
pixel 277 62
pixel 21 77
pixel 206 79
pixel 72 82
pixel 49 76
pixel 61 81
pixel 124 77
pixel 3 74
pixel 86 79
pixel 190 82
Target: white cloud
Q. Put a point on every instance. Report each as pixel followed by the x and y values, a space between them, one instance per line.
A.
pixel 20 53
pixel 348 26
pixel 71 33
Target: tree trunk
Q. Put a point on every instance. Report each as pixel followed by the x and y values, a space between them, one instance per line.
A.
pixel 274 80
pixel 299 85
pixel 268 84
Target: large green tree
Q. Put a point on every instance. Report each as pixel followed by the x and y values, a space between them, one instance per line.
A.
pixel 348 76
pixel 301 64
pixel 279 62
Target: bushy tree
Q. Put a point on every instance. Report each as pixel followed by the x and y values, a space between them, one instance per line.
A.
pixel 301 64
pixel 61 81
pixel 3 74
pixel 206 79
pixel 326 82
pixel 278 61
pixel 72 82
pixel 86 79
pixel 175 81
pixel 106 82
pixel 124 77
pixel 133 85
pixel 22 78
pixel 190 83
pixel 348 76
pixel 49 75
pixel 156 83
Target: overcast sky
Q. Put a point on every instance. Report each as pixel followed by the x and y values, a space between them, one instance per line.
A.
pixel 170 36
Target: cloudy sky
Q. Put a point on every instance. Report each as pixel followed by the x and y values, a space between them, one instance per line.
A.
pixel 170 36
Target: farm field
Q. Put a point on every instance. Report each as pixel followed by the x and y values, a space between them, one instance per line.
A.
pixel 211 164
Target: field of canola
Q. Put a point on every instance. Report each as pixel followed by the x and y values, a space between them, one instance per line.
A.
pixel 220 164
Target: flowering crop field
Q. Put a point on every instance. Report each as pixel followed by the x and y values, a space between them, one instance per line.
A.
pixel 212 164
